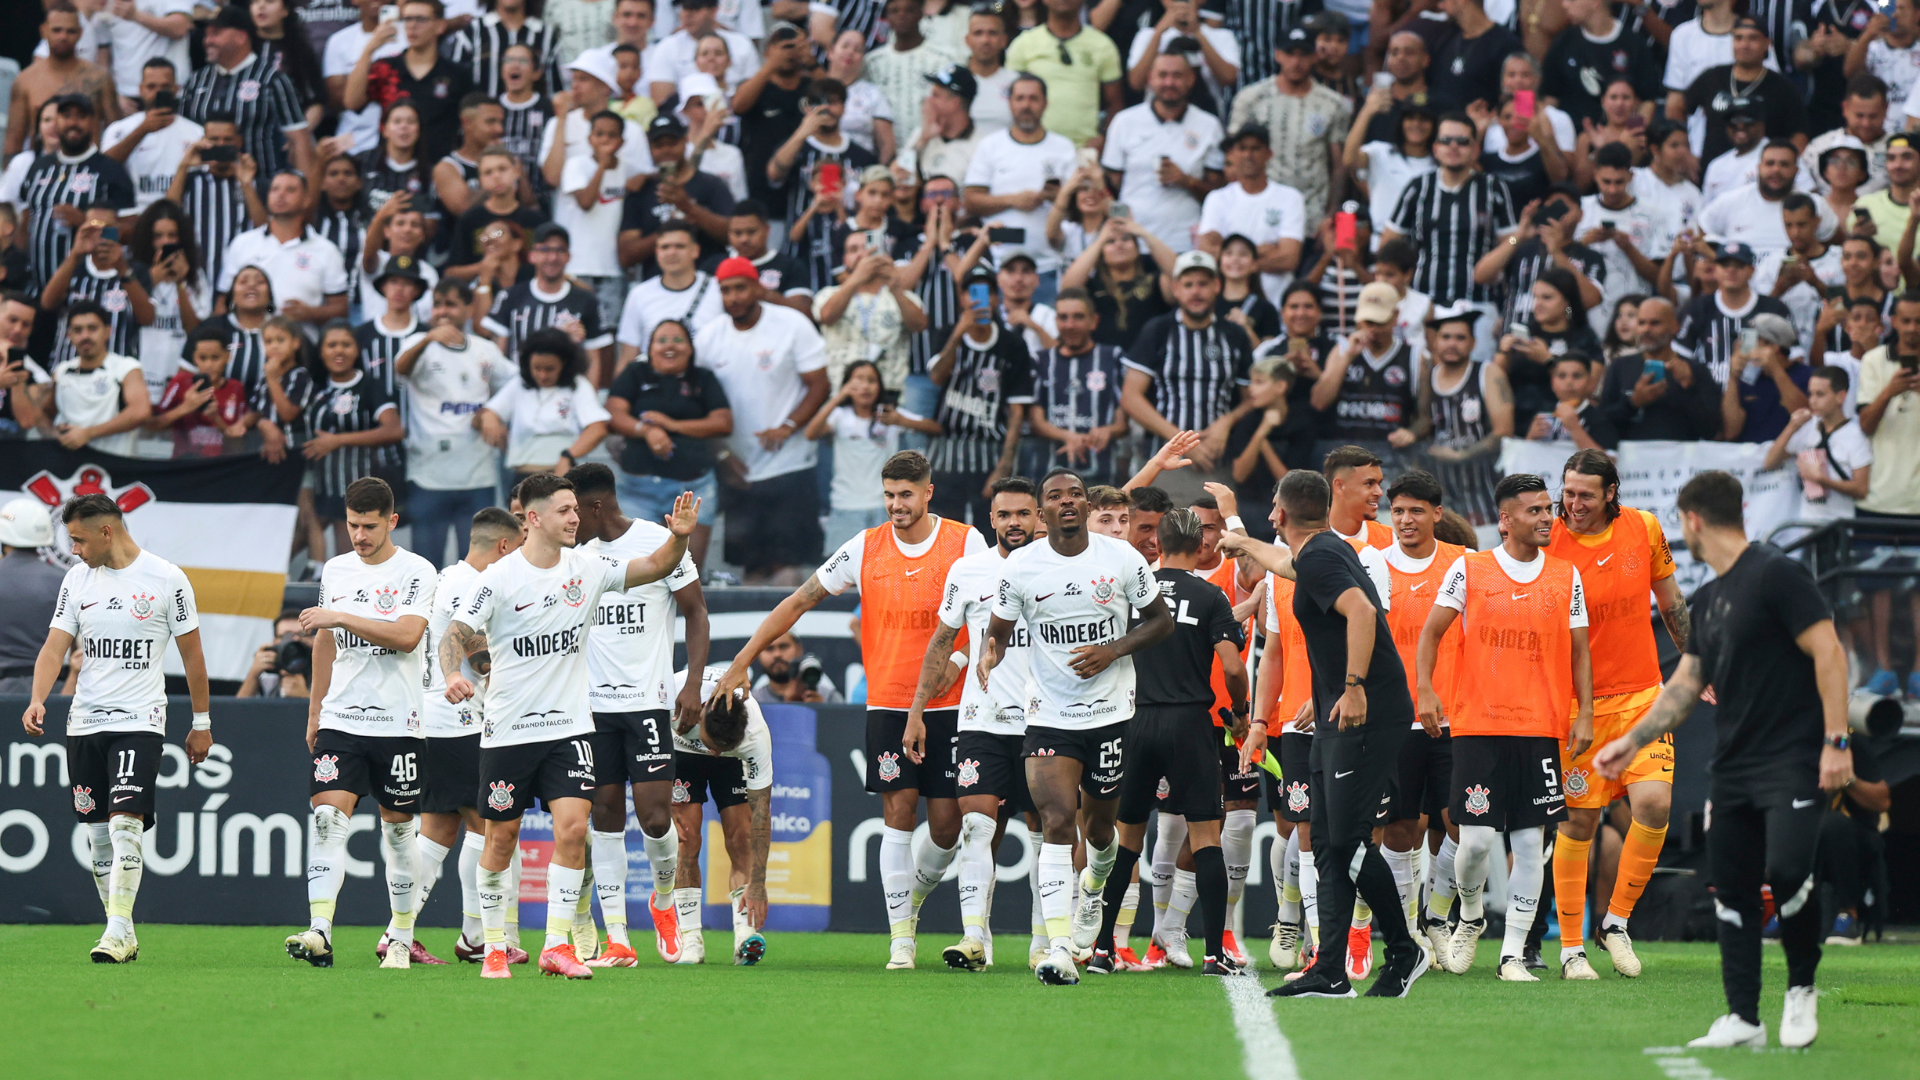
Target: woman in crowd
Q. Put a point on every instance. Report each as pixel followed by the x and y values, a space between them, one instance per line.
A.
pixel 1623 330
pixel 1126 290
pixel 1621 122
pixel 46 132
pixel 672 414
pixel 280 37
pixel 503 265
pixel 712 56
pixel 869 118
pixel 393 166
pixel 177 277
pixel 349 429
pixel 1844 168
pixel 1558 326
pixel 1079 211
pixel 550 417
pixel 1391 166
pixel 1241 300
pixel 1859 267
pixel 865 432
pixel 249 303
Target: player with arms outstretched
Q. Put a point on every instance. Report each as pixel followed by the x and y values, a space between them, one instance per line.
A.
pixel 1074 592
pixel 535 606
pixel 122 605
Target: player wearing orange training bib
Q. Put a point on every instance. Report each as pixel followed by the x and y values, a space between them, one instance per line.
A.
pixel 1524 662
pixel 1417 565
pixel 900 569
pixel 1625 565
pixel 1283 694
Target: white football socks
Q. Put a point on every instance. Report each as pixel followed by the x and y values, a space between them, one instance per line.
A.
pixel 565 886
pixel 609 852
pixel 1286 877
pixel 1056 893
pixel 470 849
pixel 1169 832
pixel 686 903
pixel 663 854
pixel 123 883
pixel 1123 922
pixel 1099 865
pixel 513 897
pixel 1038 918
pixel 1440 887
pixel 429 860
pixel 100 853
pixel 896 879
pixel 736 900
pixel 1524 882
pixel 1470 862
pixel 326 865
pixel 930 862
pixel 491 888
pixel 398 846
pixel 1310 894
pixel 976 873
pixel 1186 891
pixel 1236 847
pixel 1401 863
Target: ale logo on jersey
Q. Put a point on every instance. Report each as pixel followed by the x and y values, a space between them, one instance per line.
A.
pixel 141 606
pixel 500 795
pixel 969 773
pixel 1102 590
pixel 82 799
pixel 573 594
pixel 385 600
pixel 326 768
pixel 1477 802
pixel 1576 782
pixel 889 767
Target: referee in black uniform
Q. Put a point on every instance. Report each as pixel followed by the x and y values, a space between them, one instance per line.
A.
pixel 1173 763
pixel 1763 641
pixel 1364 712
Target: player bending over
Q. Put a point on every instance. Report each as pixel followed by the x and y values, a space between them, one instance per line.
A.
pixel 726 752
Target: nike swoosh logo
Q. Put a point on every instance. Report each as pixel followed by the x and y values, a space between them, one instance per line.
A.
pixel 1037 599
pixel 1416 587
pixel 1521 595
pixel 1603 562
pixel 910 573
pixel 1055 891
pixel 120 799
pixel 1343 775
pixel 1110 789
pixel 655 768
pixel 989 596
pixel 84 607
pixel 525 606
pixel 1802 804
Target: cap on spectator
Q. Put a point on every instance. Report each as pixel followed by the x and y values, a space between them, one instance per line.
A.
pixel 598 64
pixel 665 126
pixel 1909 140
pixel 232 17
pixel 1743 110
pixel 685 4
pixel 400 266
pixel 1774 330
pixel 1458 311
pixel 875 174
pixel 1328 22
pixel 1844 142
pixel 1733 251
pixel 1298 40
pixel 955 79
pixel 1748 22
pixel 77 102
pixel 1379 303
pixel 697 85
pixel 982 271
pixel 1195 260
pixel 25 523
pixel 1571 191
pixel 784 31
pixel 736 267
pixel 1252 131
pixel 1019 257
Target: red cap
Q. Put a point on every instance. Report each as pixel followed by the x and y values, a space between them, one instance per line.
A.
pixel 736 267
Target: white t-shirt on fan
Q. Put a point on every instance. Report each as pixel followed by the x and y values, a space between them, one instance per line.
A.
pixel 445 389
pixel 760 368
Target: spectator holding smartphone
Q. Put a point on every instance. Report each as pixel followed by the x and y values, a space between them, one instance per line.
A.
pixel 205 411
pixel 151 143
pixel 868 316
pixel 864 423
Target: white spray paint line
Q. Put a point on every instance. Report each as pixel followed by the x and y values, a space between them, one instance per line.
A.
pixel 1266 1052
pixel 1674 1062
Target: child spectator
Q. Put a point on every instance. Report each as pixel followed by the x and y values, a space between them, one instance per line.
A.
pixel 500 201
pixel 205 410
pixel 866 432
pixel 1830 451
pixel 1575 416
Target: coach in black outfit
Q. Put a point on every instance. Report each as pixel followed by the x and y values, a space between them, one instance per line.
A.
pixel 1364 712
pixel 1763 640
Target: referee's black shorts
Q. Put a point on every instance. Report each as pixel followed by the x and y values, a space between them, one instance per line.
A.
pixel 1354 773
pixel 1172 765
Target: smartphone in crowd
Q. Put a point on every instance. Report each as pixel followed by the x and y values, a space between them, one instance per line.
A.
pixel 978 293
pixel 1001 234
pixel 1523 104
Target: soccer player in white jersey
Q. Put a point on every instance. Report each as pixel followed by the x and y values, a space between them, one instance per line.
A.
pixel 534 606
pixel 363 718
pixel 724 749
pixel 991 778
pixel 630 665
pixel 1074 593
pixel 900 569
pixel 450 771
pixel 122 605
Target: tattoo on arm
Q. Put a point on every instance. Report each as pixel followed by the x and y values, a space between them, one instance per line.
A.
pixel 463 642
pixel 812 592
pixel 1674 705
pixel 760 834
pixel 1679 622
pixel 933 667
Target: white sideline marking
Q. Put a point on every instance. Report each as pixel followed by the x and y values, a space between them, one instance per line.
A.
pixel 1266 1052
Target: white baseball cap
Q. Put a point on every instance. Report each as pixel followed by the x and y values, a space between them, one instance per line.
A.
pixel 25 523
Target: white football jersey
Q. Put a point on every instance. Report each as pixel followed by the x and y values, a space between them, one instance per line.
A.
pixel 442 718
pixel 375 690
pixel 536 625
pixel 122 620
pixel 756 747
pixel 630 648
pixel 968 601
pixel 1067 602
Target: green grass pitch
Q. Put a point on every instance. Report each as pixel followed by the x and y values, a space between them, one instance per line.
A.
pixel 216 1002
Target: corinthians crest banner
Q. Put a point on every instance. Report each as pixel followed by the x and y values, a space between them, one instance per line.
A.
pixel 227 522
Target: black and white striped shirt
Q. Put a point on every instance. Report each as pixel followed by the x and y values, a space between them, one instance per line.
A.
pixel 381 179
pixel 379 348
pixel 521 131
pixel 1197 374
pixel 1710 331
pixel 105 288
pixel 986 378
pixel 1261 27
pixel 940 297
pixel 485 41
pixel 864 16
pixel 246 360
pixel 344 408
pixel 1528 264
pixel 1081 392
pixel 442 242
pixel 54 179
pixel 217 208
pixel 815 248
pixel 346 229
pixel 263 102
pixel 1451 229
pixel 525 309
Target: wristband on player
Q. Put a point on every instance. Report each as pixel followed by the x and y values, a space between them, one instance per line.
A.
pixel 1841 741
pixel 203 721
pixel 1234 522
pixel 958 658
